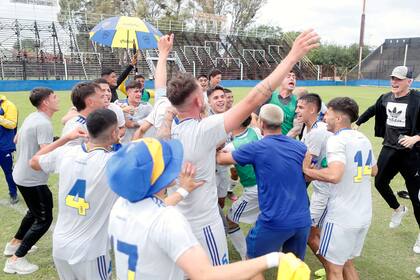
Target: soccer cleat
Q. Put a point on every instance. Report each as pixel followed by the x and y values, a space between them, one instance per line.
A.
pixel 10 249
pixel 13 200
pixel 19 266
pixel 397 216
pixel 416 247
pixel 418 270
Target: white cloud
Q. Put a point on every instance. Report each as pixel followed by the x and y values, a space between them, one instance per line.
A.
pixel 338 21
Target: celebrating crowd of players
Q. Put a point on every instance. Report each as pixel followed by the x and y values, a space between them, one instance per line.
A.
pixel 150 182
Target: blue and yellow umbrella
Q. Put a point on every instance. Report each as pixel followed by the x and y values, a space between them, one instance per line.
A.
pixel 123 32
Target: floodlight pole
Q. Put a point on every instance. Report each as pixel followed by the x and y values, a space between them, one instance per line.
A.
pixel 362 33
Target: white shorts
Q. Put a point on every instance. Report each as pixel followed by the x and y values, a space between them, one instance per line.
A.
pixel 98 269
pixel 339 244
pixel 245 209
pixel 213 239
pixel 222 181
pixel 318 207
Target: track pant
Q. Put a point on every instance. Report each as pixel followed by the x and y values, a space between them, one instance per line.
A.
pixel 407 163
pixel 38 218
pixel 6 163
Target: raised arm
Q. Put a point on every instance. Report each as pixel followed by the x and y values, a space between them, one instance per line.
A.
pixel 305 42
pixel 45 149
pixel 165 46
pixel 127 70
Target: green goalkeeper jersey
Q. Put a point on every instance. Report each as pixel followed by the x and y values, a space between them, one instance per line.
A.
pixel 246 173
pixel 288 105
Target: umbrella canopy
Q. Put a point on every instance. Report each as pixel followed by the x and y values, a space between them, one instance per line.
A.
pixel 122 32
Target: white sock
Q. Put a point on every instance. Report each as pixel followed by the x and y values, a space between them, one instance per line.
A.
pixel 238 240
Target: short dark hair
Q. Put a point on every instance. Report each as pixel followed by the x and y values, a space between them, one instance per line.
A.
pixel 246 122
pixel 80 92
pixel 312 98
pixel 100 81
pixel 202 76
pixel 39 94
pixel 107 71
pixel 133 84
pixel 226 90
pixel 214 73
pixel 100 121
pixel 213 89
pixel 345 105
pixel 180 88
pixel 137 76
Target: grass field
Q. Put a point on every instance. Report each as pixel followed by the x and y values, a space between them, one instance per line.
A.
pixel 387 253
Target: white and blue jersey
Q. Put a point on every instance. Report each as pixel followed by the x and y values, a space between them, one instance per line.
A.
pixel 84 202
pixel 78 121
pixel 148 238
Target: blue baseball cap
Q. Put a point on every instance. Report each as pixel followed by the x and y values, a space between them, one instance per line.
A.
pixel 144 167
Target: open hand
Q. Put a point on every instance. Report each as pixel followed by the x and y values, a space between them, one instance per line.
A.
pixel 186 178
pixel 165 44
pixel 409 141
pixel 306 41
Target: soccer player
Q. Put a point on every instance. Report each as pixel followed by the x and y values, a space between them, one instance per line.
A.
pixel 80 238
pixel 35 133
pixel 202 136
pixel 286 100
pixel 284 222
pixel 315 136
pixel 245 209
pixel 152 240
pixel 217 104
pixel 86 97
pixel 135 110
pixel 8 127
pixel 230 194
pixel 350 166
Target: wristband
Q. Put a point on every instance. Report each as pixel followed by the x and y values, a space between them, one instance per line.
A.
pixel 273 259
pixel 183 192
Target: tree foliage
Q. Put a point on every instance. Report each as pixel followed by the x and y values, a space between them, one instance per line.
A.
pixel 340 56
pixel 241 12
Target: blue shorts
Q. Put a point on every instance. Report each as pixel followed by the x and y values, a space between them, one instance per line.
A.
pixel 262 240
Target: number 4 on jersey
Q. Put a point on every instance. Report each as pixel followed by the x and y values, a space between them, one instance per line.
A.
pixel 362 170
pixel 76 197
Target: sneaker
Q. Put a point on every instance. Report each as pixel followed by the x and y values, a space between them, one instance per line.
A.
pixel 416 247
pixel 397 216
pixel 403 194
pixel 418 270
pixel 19 266
pixel 10 249
pixel 13 200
